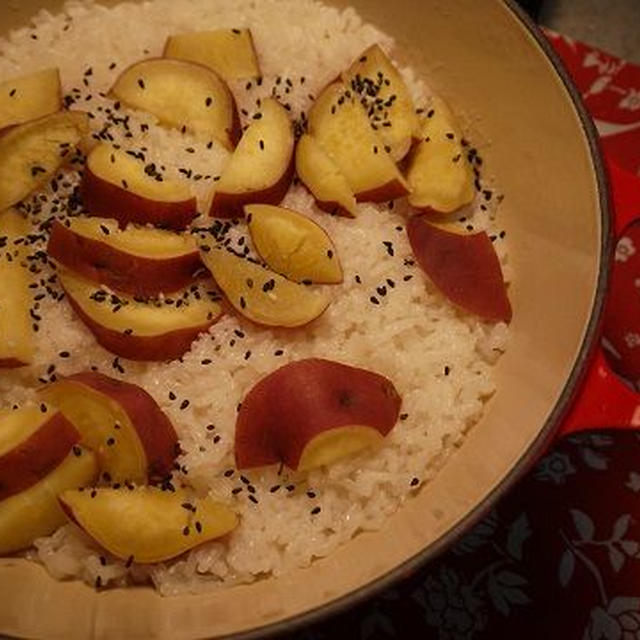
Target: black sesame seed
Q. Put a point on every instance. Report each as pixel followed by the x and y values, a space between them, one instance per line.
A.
pixel 414 482
pixel 315 511
pixel 184 404
pixel 172 396
pixel 186 531
pixel 253 499
pixel 141 83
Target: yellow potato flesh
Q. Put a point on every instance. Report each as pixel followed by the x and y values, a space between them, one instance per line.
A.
pixel 147 524
pixel 229 52
pixel 180 94
pixel 119 168
pixel 333 444
pixel 104 427
pixel 439 174
pixel 263 153
pixel 392 102
pixel 321 175
pixel 139 241
pixel 138 318
pixel 17 342
pixel 29 97
pixel 35 512
pixel 341 127
pixel 282 304
pixel 293 245
pixel 17 426
pixel 31 153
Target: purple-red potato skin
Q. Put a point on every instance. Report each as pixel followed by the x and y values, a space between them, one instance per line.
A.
pixel 11 363
pixel 231 205
pixel 464 267
pixel 102 198
pixel 284 411
pixel 126 272
pixel 32 459
pixel 155 431
pixel 161 348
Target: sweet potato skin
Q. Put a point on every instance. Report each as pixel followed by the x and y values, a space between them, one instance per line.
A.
pixel 102 198
pixel 231 205
pixel 119 270
pixel 161 348
pixel 154 429
pixel 464 267
pixel 283 412
pixel 33 458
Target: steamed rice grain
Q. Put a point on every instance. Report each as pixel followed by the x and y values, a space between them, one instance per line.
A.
pixel 386 316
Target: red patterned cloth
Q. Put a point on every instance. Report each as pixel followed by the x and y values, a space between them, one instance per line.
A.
pixel 610 88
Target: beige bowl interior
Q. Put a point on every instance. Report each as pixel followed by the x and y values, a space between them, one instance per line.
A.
pixel 485 60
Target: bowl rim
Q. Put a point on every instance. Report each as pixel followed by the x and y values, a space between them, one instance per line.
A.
pixel 560 409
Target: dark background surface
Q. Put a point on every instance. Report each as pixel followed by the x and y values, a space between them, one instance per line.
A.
pixel 611 25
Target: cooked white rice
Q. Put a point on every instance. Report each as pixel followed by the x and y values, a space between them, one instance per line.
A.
pixel 439 359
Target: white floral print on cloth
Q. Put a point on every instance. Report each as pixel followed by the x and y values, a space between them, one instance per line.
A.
pixel 622 320
pixel 610 88
pixel 559 557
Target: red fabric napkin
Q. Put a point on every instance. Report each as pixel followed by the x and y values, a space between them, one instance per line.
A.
pixel 610 88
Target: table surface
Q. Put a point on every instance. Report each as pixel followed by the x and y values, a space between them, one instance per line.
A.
pixel 611 25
